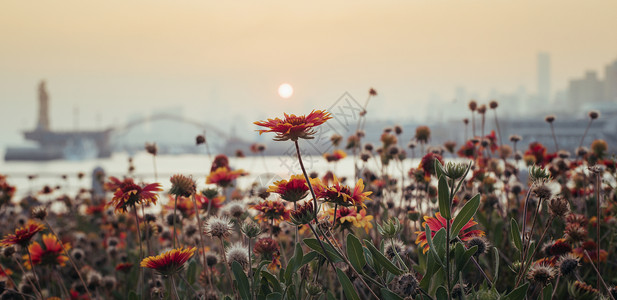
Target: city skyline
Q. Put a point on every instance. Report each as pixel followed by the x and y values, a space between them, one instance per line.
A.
pixel 224 62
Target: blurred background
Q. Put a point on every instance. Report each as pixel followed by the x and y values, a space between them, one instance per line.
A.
pixel 80 79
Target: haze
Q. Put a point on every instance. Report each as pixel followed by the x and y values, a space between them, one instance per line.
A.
pixel 222 61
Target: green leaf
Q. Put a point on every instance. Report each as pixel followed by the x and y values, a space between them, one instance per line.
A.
pixel 439 169
pixel 191 272
pixel 348 288
pixel 516 235
pixel 431 268
pixel 431 246
pixel 274 296
pixel 442 293
pixel 294 263
pixel 444 197
pixel 517 294
pixel 381 259
pixel 496 270
pixel 307 258
pixel 440 243
pixel 462 255
pixel 243 282
pixel 547 292
pixel 355 253
pixel 330 296
pixel 466 213
pixel 276 285
pixel 132 295
pixel 386 294
pixel 314 244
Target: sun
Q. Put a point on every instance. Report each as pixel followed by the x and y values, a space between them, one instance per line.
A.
pixel 286 90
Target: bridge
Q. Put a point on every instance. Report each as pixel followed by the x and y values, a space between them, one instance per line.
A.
pixel 101 143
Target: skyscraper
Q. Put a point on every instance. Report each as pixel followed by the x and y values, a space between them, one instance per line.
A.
pixel 544 77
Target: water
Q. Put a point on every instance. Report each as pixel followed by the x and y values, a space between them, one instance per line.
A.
pixel 262 170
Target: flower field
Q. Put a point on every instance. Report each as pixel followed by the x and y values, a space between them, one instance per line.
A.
pixel 479 221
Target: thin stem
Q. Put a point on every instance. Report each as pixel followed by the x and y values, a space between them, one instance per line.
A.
pixel 70 259
pixel 598 273
pixel 498 130
pixel 141 250
pixel 524 266
pixel 554 137
pixel 175 237
pixel 556 285
pixel 156 177
pixel 334 220
pixel 174 293
pixel 525 214
pixel 201 234
pixel 598 236
pixel 34 286
pixel 231 283
pixel 585 134
pixel 38 282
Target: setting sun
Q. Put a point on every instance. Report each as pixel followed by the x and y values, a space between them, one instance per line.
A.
pixel 286 90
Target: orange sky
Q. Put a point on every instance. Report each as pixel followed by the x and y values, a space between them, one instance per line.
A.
pixel 113 57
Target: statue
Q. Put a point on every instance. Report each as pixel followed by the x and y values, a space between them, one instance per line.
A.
pixel 43 122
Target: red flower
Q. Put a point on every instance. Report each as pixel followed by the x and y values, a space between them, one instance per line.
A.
pixel 22 235
pixel 268 249
pixel 51 255
pixel 203 201
pixel 293 127
pixel 342 194
pixel 170 262
pixel 590 247
pixel 427 163
pixel 439 222
pixel 128 194
pixel 271 210
pixel 223 176
pixel 292 190
pixel 124 267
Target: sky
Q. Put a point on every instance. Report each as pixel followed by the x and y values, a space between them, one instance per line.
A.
pixel 222 61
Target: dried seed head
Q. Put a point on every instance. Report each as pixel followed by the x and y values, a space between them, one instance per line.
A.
pixel 594 114
pixel 39 212
pixel 218 227
pixel 473 105
pixel 549 119
pixel 8 251
pixel 151 148
pixel 405 285
pixel 200 139
pixel 542 192
pixel 568 264
pixel 482 244
pixel 393 248
pixel 212 259
pixel 493 104
pixel 238 253
pixel 515 138
pixel 558 207
pixel 541 274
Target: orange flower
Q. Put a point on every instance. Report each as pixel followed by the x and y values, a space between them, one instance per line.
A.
pixel 22 235
pixel 292 190
pixel 271 210
pixel 268 249
pixel 170 262
pixel 293 127
pixel 590 247
pixel 203 200
pixel 341 194
pixel 51 255
pixel 223 176
pixel 345 217
pixel 128 194
pixel 439 222
pixel 335 156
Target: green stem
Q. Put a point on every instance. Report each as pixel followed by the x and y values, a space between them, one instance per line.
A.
pixel 175 237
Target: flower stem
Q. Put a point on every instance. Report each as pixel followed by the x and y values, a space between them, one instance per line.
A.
pixel 141 250
pixel 175 237
pixel 598 273
pixel 201 234
pixel 34 286
pixel 231 282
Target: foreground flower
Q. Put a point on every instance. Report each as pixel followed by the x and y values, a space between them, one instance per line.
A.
pixel 223 176
pixel 341 194
pixel 292 190
pixel 128 194
pixel 438 222
pixel 293 127
pixel 22 235
pixel 170 262
pixel 51 254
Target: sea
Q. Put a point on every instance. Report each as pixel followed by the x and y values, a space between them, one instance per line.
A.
pixel 262 170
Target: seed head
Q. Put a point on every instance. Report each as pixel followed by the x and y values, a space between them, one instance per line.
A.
pixel 542 192
pixel 390 228
pixel 473 105
pixel 568 264
pixel 549 119
pixel 238 253
pixel 219 227
pixel 250 229
pixel 515 138
pixel 405 285
pixel 212 259
pixel 151 148
pixel 482 244
pixel 39 212
pixel 541 274
pixel 493 104
pixel 394 247
pixel 594 114
pixel 182 186
pixel 558 207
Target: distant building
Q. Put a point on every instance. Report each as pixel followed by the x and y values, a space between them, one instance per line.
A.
pixel 544 77
pixel 610 82
pixel 586 89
